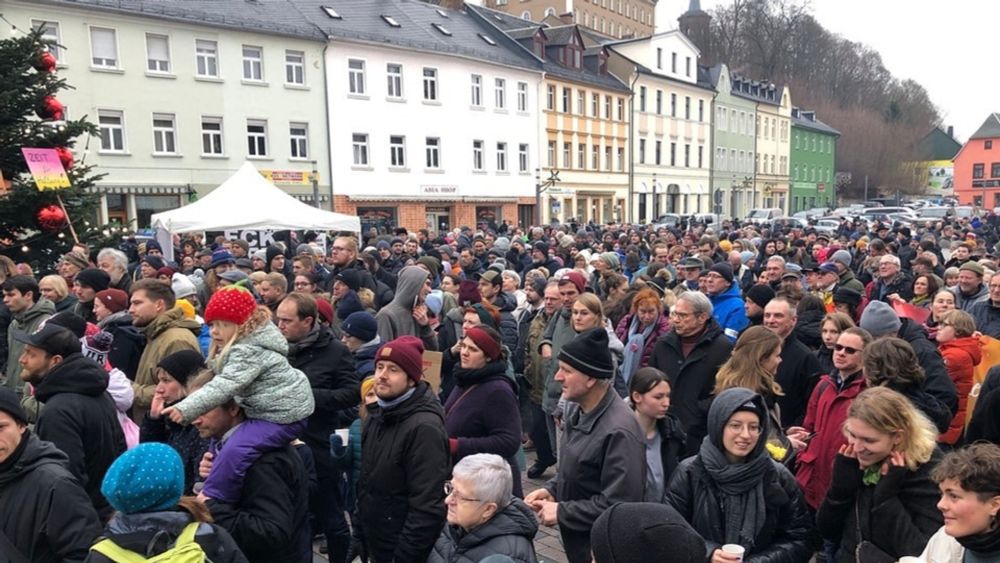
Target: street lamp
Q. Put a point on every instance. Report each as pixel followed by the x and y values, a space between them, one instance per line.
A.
pixel 656 201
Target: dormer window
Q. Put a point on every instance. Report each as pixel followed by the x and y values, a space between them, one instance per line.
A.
pixel 391 21
pixel 539 45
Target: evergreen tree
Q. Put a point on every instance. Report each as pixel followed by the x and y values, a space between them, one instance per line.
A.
pixel 31 116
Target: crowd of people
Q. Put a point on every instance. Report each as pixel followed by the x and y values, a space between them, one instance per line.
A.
pixel 696 394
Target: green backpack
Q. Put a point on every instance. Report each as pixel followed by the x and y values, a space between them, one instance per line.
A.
pixel 185 550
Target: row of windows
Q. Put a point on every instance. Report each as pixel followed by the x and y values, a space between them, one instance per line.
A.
pixel 595 107
pixel 673 62
pixel 979 169
pixel 433 155
pixel 673 104
pixel 357 85
pixel 770 126
pixel 729 119
pixel 166 138
pixel 105 54
pixel 812 142
pixel 766 164
pixel 613 159
pixel 731 160
pixel 658 154
pixel 812 174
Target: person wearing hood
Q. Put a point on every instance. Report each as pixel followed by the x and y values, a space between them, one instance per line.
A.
pixel 407 313
pixel 154 311
pixel 45 515
pixel 79 416
pixel 482 414
pixel 727 303
pixel 602 456
pixel 540 257
pixel 144 486
pixel 881 320
pixel 638 532
pixel 329 365
pixel 732 492
pixel 404 459
pixel 360 335
pixel 111 310
pixel 29 310
pixel 491 289
pixel 484 518
pixel 173 374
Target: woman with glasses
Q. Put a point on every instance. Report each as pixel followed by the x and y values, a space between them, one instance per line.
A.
pixel 881 504
pixel 732 492
pixel 305 283
pixel 831 327
pixel 484 518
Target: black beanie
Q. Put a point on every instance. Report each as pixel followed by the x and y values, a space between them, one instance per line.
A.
pixel 182 365
pixel 637 532
pixel 10 404
pixel 589 354
pixel 270 253
pixel 724 269
pixel 96 279
pixel 760 294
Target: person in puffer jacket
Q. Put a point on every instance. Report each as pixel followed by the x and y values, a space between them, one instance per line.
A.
pixel 484 518
pixel 727 301
pixel 249 359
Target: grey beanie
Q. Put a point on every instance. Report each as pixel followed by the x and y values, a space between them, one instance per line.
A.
pixel 501 245
pixel 843 257
pixel 880 320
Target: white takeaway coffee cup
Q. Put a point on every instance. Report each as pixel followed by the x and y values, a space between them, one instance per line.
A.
pixel 734 549
pixel 344 434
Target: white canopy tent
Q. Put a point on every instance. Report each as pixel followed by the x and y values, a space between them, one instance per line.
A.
pixel 246 200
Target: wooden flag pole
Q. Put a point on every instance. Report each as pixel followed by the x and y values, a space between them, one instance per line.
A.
pixel 69 221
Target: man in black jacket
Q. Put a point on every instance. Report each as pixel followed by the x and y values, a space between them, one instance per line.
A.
pixel 269 522
pixel 79 416
pixel 329 365
pixel 690 355
pixel 44 513
pixel 799 368
pixel 404 459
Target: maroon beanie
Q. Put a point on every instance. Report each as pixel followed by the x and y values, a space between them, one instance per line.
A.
pixel 575 278
pixel 114 299
pixel 407 352
pixel 468 293
pixel 485 342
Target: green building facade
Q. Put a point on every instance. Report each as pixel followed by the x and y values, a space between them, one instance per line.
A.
pixel 733 145
pixel 813 161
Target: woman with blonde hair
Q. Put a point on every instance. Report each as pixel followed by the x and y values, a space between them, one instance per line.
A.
pixel 881 504
pixel 53 287
pixel 587 313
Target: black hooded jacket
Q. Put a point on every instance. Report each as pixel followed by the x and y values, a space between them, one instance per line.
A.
pixel 79 418
pixel 43 510
pixel 329 366
pixel 404 464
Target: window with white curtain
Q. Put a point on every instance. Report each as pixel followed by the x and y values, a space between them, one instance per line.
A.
pixel 157 53
pixel 103 47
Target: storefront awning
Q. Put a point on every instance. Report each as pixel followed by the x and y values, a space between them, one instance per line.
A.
pixel 404 199
pixel 143 189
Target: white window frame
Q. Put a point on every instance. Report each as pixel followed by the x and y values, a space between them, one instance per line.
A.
pixel 356 78
pixel 430 84
pixel 295 71
pixel 212 137
pixel 552 154
pixel 104 62
pixel 253 67
pixel 209 60
pixel 478 157
pixel 50 31
pixel 500 93
pixel 477 90
pixel 432 153
pixel 522 96
pixel 157 65
pixel 501 157
pixel 522 158
pixel 108 131
pixel 394 81
pixel 298 141
pixel 360 149
pixel 397 151
pixel 257 139
pixel 164 137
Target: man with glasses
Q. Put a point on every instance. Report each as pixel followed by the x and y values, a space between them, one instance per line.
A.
pixel 821 435
pixel 987 313
pixel 690 355
pixel 727 302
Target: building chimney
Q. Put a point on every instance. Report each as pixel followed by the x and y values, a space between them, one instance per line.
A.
pixel 951 131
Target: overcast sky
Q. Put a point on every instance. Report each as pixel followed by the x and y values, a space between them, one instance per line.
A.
pixel 946 46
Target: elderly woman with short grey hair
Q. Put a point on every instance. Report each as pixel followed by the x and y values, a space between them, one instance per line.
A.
pixel 484 518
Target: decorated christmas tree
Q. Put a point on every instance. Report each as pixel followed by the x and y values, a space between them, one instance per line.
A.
pixel 34 226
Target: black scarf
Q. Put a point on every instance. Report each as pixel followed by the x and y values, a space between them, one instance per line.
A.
pixel 986 543
pixel 468 377
pixel 15 456
pixel 305 342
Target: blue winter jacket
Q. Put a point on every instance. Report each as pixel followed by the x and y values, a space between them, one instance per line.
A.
pixel 727 308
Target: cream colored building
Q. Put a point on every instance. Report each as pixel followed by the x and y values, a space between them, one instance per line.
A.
pixel 774 130
pixel 614 18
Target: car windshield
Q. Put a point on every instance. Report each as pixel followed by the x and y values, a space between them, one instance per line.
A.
pixel 934 212
pixel 963 211
pixel 759 214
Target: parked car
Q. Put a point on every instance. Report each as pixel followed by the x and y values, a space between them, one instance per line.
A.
pixel 764 215
pixel 810 214
pixel 788 222
pixel 668 220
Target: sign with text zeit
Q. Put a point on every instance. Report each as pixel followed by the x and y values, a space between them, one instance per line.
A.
pixel 46 169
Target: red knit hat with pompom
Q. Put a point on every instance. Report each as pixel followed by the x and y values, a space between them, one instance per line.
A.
pixel 233 303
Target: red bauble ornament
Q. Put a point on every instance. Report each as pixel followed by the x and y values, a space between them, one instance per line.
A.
pixel 51 108
pixel 66 157
pixel 51 218
pixel 44 62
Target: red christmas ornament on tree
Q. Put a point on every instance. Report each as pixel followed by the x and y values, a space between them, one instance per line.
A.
pixel 45 62
pixel 51 218
pixel 51 108
pixel 66 157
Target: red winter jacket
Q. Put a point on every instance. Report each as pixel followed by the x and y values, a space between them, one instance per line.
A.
pixel 825 417
pixel 960 356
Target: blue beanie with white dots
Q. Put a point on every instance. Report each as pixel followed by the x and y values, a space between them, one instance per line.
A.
pixel 147 478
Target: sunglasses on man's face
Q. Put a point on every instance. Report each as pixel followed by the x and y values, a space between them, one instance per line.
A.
pixel 845 349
